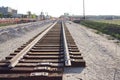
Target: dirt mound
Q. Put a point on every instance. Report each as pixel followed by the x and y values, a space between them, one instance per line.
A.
pixel 19 30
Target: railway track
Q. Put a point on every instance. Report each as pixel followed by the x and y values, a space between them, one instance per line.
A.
pixel 43 57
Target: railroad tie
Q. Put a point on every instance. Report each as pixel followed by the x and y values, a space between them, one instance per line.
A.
pixel 45 58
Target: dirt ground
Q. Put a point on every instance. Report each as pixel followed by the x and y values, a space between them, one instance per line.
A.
pixel 102 56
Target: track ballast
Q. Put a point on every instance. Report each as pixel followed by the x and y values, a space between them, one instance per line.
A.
pixel 43 57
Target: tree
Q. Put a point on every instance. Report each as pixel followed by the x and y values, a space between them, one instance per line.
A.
pixel 1 15
pixel 29 14
pixel 33 16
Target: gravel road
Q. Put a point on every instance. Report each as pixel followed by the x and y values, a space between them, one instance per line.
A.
pixel 102 56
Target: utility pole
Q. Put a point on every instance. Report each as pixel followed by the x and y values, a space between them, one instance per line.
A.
pixel 84 9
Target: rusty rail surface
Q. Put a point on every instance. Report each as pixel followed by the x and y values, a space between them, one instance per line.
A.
pixel 43 57
pixel 20 55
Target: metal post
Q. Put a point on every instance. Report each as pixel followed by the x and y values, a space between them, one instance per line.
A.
pixel 84 9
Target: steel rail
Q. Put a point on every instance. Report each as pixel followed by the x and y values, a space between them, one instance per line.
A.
pixel 66 51
pixel 20 55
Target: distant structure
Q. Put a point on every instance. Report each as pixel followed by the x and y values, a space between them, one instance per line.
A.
pixel 8 12
pixel 47 17
pixel 42 16
pixel 65 16
pixel 89 17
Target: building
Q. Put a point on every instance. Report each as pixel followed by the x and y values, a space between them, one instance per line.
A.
pixel 8 12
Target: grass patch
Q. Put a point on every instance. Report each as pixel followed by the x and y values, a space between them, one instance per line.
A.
pixel 110 29
pixel 109 21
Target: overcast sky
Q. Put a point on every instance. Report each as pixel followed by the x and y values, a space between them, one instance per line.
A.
pixel 59 7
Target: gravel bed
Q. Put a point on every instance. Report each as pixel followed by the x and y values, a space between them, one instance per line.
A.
pixel 101 55
pixel 9 32
pixel 13 37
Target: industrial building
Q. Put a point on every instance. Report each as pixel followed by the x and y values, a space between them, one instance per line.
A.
pixel 8 12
